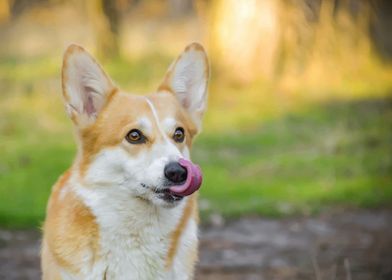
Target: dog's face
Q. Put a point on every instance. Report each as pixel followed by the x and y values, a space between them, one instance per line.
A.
pixel 132 145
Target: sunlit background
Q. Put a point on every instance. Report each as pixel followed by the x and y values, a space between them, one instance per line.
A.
pixel 300 107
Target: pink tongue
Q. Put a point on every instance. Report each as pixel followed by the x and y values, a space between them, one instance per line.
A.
pixel 193 180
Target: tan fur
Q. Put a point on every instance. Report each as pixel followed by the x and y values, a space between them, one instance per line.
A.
pixel 119 115
pixel 166 104
pixel 116 119
pixel 189 212
pixel 70 229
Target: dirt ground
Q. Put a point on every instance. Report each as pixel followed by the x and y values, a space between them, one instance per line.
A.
pixel 355 244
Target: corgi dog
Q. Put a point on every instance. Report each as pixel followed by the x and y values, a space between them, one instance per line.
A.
pixel 127 207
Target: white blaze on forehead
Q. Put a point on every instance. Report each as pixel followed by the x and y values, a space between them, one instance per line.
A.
pixel 154 113
pixel 168 149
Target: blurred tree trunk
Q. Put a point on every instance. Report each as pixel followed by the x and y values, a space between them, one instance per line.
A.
pixel 5 10
pixel 178 8
pixel 14 8
pixel 381 28
pixel 104 17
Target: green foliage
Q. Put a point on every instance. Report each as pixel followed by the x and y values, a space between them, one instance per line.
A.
pixel 336 154
pixel 261 152
pixel 273 143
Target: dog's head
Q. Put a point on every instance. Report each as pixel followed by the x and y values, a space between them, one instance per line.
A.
pixel 134 145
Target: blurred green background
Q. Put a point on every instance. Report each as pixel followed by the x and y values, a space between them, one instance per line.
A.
pixel 300 106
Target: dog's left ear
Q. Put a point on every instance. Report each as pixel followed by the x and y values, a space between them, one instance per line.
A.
pixel 187 78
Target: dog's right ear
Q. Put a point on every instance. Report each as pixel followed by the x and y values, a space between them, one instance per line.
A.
pixel 86 87
pixel 187 78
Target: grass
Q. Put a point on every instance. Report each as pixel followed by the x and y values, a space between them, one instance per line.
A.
pixel 336 154
pixel 256 157
pixel 332 154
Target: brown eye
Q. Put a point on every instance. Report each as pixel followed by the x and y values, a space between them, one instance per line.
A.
pixel 135 137
pixel 179 135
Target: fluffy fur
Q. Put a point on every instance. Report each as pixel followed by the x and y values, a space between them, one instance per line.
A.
pixel 105 219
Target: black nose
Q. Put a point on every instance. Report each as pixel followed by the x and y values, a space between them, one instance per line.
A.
pixel 175 173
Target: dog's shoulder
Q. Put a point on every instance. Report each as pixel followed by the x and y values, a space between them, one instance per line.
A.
pixel 70 229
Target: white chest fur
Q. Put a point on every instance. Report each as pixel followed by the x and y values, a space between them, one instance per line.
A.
pixel 135 238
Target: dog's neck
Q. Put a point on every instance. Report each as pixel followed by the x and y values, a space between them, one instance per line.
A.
pixel 134 234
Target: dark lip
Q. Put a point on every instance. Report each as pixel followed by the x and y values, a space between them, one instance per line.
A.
pixel 164 194
pixel 171 198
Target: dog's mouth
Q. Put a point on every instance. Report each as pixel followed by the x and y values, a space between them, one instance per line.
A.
pixel 165 194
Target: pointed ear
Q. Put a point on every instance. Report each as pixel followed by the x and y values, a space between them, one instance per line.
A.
pixel 86 87
pixel 187 78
